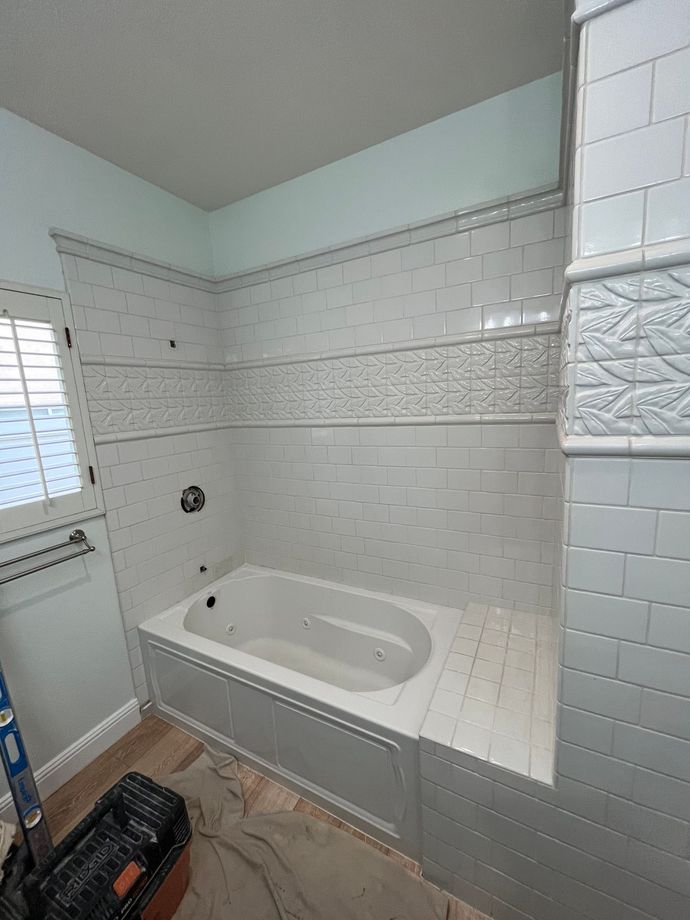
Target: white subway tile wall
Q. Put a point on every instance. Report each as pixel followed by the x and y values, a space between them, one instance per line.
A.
pixel 490 280
pixel 126 314
pixel 616 221
pixel 443 513
pixel 632 157
pixel 158 550
pixel 498 495
pixel 503 275
pixel 612 839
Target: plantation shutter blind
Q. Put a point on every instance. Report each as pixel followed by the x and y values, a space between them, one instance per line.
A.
pixel 42 443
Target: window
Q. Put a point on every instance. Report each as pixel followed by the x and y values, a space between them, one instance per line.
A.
pixel 44 461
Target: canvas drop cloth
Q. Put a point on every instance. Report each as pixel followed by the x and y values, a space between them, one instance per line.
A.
pixel 286 866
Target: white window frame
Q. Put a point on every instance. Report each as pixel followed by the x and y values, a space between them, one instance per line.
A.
pixel 27 302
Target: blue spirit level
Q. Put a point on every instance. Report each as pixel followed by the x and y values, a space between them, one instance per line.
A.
pixel 21 781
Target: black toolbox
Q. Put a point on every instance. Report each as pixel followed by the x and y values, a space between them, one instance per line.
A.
pixel 127 860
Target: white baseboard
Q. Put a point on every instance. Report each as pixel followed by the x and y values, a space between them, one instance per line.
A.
pixel 78 755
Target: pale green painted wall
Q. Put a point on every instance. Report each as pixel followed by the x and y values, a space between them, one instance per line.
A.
pixel 45 181
pixel 63 645
pixel 503 146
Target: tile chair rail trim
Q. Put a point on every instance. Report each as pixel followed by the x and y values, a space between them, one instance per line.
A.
pixel 651 257
pixel 487 335
pixel 541 418
pixel 447 224
pixel 589 9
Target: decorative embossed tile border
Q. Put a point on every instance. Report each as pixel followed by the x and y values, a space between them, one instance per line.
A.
pixel 477 378
pixel 124 398
pixel 627 356
pixel 494 377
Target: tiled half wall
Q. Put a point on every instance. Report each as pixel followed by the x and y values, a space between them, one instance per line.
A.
pixel 610 840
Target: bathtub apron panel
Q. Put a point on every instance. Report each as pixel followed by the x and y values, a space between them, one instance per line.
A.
pixel 355 753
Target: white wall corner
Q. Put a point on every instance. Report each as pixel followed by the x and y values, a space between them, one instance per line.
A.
pixel 54 774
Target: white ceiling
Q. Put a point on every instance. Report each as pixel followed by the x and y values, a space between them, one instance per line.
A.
pixel 217 99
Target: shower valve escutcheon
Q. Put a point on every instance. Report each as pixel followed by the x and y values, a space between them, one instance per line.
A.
pixel 193 499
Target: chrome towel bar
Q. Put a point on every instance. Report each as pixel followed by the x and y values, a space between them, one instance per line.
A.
pixel 76 538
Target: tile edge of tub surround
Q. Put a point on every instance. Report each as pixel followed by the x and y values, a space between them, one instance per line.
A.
pixel 657 446
pixel 589 9
pixel 73 244
pixel 434 227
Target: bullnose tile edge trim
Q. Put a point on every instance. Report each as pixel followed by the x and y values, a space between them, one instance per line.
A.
pixel 459 221
pixel 653 257
pixel 491 212
pixel 636 446
pixel 67 243
pixel 542 418
pixel 441 341
pixel 128 361
pixel 590 9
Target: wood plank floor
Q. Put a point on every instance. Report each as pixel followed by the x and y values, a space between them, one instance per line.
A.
pixel 157 748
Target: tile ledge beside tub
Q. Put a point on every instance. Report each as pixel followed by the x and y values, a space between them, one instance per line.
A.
pixel 496 698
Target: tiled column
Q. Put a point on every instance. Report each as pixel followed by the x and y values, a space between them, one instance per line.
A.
pixel 625 424
pixel 610 840
pixel 632 164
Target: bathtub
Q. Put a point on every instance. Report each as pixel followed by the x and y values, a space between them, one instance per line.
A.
pixel 320 686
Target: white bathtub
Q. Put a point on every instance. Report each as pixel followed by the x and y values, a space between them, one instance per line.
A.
pixel 321 686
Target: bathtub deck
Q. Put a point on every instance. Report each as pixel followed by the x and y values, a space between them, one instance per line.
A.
pixel 496 698
pixel 156 748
